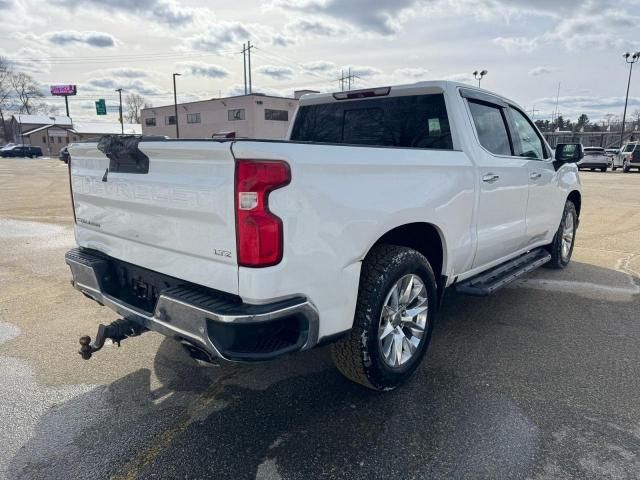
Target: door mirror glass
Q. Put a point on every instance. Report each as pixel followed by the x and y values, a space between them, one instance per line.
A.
pixel 569 152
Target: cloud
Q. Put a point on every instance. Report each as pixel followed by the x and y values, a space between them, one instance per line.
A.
pixel 205 69
pixel 541 70
pixel 377 16
pixel 320 66
pixel 6 5
pixel 88 38
pixel 161 11
pixel 128 72
pixel 460 77
pixel 275 72
pixel 363 71
pixel 413 73
pixel 313 27
pixel 218 36
pixel 129 86
pixel 282 41
pixel 517 44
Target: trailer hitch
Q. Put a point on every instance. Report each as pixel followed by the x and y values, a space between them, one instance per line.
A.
pixel 116 332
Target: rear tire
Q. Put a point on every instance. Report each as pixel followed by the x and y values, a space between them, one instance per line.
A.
pixel 564 240
pixel 383 348
pixel 625 167
pixel 603 169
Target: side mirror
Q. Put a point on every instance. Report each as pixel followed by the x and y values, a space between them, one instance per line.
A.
pixel 569 152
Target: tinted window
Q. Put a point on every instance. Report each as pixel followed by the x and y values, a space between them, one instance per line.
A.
pixel 630 147
pixel 417 121
pixel 235 114
pixel 527 142
pixel 491 127
pixel 281 115
pixel 150 122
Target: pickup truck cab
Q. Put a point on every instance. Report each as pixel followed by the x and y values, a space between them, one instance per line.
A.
pixel 347 233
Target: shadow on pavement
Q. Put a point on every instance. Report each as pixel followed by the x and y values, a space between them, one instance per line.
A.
pixel 515 385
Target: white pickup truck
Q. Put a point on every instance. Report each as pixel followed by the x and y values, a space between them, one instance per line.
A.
pixel 347 233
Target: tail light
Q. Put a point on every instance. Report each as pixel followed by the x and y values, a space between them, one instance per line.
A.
pixel 73 205
pixel 258 231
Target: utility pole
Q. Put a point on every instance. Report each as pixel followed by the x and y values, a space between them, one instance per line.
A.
pixel 244 64
pixel 249 47
pixel 346 79
pixel 119 90
pixel 634 58
pixel 533 112
pixel 175 103
pixel 66 103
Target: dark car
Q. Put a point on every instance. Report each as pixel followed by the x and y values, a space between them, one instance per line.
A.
pixel 21 151
pixel 64 155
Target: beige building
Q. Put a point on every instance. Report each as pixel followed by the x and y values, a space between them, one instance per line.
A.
pixel 252 116
pixel 51 134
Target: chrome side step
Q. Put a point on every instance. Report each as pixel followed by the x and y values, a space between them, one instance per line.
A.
pixel 488 282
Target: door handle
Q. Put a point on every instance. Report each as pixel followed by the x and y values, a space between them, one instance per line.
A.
pixel 490 177
pixel 535 175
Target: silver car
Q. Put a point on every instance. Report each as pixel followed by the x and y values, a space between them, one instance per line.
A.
pixel 594 158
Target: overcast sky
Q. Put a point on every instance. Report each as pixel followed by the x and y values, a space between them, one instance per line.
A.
pixel 527 46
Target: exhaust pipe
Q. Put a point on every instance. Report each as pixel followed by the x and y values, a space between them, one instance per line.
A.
pixel 116 331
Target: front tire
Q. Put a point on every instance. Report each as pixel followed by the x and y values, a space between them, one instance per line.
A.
pixel 393 321
pixel 603 169
pixel 563 242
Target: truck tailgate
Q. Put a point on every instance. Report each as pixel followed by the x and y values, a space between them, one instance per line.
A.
pixel 178 218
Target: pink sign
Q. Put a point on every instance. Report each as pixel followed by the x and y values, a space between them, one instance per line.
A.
pixel 63 90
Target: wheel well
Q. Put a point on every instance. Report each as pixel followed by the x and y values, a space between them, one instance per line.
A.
pixel 423 237
pixel 576 199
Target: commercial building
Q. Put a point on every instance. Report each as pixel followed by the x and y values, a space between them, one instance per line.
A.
pixel 55 132
pixel 252 116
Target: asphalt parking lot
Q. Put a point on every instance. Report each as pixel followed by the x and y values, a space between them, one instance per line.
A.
pixel 540 381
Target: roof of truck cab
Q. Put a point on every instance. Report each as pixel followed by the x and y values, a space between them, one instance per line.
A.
pixel 418 88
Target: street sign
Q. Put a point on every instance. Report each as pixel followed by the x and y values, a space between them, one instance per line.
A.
pixel 101 107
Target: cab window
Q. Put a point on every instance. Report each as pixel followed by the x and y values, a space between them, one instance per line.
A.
pixel 527 141
pixel 491 127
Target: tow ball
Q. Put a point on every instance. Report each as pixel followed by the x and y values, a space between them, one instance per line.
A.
pixel 116 331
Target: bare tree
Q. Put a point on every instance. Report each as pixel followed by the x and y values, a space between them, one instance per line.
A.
pixel 134 104
pixel 5 93
pixel 28 93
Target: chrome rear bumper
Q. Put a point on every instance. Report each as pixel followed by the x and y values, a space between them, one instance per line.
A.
pixel 216 323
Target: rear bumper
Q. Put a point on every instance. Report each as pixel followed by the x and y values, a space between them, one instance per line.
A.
pixel 218 324
pixel 602 164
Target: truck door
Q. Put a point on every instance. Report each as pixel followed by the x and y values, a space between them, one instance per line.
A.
pixel 543 211
pixel 503 184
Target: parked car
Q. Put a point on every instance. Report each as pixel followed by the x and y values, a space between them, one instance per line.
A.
pixel 611 153
pixel 63 156
pixel 594 158
pixel 21 151
pixel 347 233
pixel 624 156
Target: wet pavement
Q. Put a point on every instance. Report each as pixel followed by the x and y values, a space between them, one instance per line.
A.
pixel 540 381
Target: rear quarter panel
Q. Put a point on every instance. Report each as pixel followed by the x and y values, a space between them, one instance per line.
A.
pixel 340 201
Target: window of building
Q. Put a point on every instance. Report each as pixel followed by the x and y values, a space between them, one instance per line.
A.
pixel 170 120
pixel 44 139
pixel 280 115
pixel 527 141
pixel 51 140
pixel 235 114
pixel 59 139
pixel 491 127
pixel 415 121
pixel 193 118
pixel 75 139
pixel 150 122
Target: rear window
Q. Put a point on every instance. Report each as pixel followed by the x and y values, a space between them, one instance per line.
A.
pixel 417 121
pixel 630 147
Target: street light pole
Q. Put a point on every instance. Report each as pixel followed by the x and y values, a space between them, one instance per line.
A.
pixel 478 75
pixel 175 103
pixel 634 58
pixel 119 90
